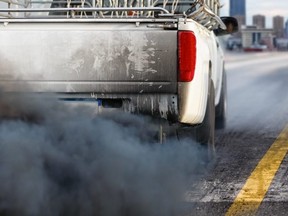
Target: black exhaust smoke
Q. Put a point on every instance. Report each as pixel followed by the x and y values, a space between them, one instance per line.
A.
pixel 59 160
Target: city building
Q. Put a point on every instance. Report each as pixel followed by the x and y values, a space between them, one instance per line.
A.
pixel 286 29
pixel 278 26
pixel 238 10
pixel 255 38
pixel 259 21
pixel 281 43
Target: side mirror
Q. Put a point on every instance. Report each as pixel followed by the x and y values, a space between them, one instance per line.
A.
pixel 231 26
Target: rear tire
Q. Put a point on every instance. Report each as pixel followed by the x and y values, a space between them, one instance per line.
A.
pixel 221 108
pixel 205 133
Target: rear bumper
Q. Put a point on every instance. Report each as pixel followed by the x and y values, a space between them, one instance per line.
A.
pixel 139 97
pixel 165 106
pixel 156 105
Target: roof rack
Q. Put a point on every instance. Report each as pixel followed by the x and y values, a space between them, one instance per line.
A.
pixel 203 11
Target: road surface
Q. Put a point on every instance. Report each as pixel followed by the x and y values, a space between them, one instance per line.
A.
pixel 258 114
pixel 57 160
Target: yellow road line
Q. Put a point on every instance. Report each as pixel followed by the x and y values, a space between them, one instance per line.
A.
pixel 253 192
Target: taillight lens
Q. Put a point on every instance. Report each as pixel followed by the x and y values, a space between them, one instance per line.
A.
pixel 186 55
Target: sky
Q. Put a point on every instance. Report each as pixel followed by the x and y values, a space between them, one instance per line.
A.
pixel 269 8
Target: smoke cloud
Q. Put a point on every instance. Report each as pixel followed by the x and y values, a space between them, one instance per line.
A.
pixel 57 159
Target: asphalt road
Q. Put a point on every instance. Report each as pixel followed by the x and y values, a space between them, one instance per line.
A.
pixel 67 163
pixel 258 113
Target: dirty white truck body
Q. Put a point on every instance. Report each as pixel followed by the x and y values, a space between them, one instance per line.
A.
pixel 117 60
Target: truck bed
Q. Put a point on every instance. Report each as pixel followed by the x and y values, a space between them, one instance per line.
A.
pixel 88 57
pixel 119 55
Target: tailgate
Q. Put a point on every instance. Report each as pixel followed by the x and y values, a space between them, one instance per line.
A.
pixel 87 57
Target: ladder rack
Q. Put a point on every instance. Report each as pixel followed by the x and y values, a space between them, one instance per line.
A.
pixel 204 12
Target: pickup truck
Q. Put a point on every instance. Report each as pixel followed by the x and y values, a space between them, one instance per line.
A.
pixel 158 58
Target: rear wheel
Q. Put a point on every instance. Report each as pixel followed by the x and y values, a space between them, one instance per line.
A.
pixel 221 108
pixel 205 133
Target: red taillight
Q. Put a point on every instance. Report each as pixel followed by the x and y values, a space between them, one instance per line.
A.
pixel 186 55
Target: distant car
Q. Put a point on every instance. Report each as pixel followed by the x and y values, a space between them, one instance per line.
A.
pixel 256 48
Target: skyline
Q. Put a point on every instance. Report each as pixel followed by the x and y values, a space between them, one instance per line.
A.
pixel 237 7
pixel 266 8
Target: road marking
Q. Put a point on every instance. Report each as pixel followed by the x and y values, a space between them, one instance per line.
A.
pixel 253 192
